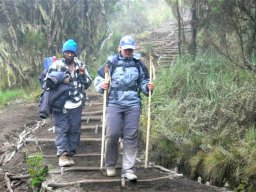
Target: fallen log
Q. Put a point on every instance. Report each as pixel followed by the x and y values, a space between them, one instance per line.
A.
pixel 16 177
pixel 15 183
pixel 86 181
pixel 3 157
pixel 75 169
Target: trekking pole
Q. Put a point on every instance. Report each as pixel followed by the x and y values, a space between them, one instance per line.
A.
pixel 104 117
pixel 149 111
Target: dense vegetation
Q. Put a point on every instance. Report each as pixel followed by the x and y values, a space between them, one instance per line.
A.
pixel 34 29
pixel 204 106
pixel 204 120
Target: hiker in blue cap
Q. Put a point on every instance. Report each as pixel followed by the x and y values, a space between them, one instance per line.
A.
pixel 67 122
pixel 128 77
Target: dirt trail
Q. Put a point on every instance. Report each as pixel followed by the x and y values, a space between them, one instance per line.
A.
pixel 86 174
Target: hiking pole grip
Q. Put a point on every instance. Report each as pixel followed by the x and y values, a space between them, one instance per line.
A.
pixel 149 112
pixel 104 117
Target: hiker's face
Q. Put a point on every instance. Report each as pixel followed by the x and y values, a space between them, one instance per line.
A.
pixel 69 57
pixel 126 53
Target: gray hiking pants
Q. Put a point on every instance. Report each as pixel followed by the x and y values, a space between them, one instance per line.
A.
pixel 67 130
pixel 125 121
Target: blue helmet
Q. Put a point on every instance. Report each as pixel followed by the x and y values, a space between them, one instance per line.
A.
pixel 70 45
pixel 127 42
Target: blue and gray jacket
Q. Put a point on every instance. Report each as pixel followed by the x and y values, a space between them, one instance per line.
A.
pixel 128 77
pixel 55 94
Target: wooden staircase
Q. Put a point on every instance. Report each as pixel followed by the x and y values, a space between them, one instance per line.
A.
pixel 86 173
pixel 163 46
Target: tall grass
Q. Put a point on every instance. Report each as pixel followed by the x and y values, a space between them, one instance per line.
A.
pixel 204 119
pixel 9 96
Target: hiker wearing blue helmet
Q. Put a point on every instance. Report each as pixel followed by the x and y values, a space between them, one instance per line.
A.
pixel 128 77
pixel 68 121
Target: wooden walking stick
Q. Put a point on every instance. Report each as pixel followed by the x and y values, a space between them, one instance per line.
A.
pixel 104 117
pixel 149 111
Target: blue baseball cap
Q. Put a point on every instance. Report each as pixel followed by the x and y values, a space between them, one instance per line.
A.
pixel 127 42
pixel 70 45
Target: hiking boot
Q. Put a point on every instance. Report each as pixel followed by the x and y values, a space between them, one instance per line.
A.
pixel 71 161
pixel 130 176
pixel 64 161
pixel 111 172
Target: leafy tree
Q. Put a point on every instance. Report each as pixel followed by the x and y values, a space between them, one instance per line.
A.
pixel 32 29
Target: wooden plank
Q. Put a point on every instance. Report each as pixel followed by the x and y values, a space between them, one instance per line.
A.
pixel 45 140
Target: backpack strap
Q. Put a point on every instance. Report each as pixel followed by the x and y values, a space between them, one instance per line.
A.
pixel 113 64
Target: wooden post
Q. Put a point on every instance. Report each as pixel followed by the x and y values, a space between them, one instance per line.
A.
pixel 104 117
pixel 149 111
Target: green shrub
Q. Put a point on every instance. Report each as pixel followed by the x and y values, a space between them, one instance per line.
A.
pixel 37 171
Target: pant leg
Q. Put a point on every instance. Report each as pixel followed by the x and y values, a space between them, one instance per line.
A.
pixel 75 129
pixel 61 132
pixel 130 136
pixel 113 130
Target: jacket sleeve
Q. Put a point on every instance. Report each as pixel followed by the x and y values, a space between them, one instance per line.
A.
pixel 143 79
pixel 44 108
pixel 100 78
pixel 97 82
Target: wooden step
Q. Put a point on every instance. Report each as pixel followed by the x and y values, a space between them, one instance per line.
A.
pixel 91 118
pixel 83 176
pixel 97 126
pixel 93 103
pixel 47 140
pixel 77 155
pixel 91 113
pixel 91 129
pixel 100 181
pixel 49 148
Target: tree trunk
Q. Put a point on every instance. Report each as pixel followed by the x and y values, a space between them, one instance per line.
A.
pixel 194 29
pixel 179 27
